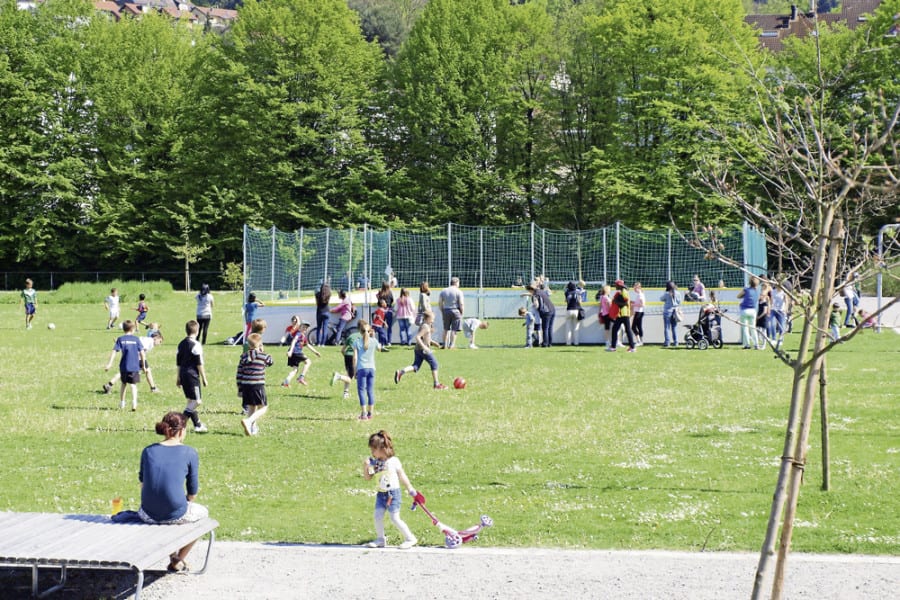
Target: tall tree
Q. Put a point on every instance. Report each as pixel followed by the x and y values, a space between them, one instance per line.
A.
pixel 287 105
pixel 451 84
pixel 44 135
pixel 821 154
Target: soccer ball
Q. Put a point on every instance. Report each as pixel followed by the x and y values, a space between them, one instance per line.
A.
pixel 459 383
pixel 230 341
pixel 51 326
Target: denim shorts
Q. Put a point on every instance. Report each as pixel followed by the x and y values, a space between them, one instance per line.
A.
pixel 389 501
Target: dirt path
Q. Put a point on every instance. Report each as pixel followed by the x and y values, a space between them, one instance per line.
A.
pixel 273 571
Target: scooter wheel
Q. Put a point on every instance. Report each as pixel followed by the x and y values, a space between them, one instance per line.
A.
pixel 453 540
pixel 486 521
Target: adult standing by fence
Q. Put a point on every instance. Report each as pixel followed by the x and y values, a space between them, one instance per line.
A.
pixel 323 313
pixel 547 310
pixel 749 299
pixel 671 300
pixel 573 312
pixel 386 294
pixel 204 311
pixel 452 305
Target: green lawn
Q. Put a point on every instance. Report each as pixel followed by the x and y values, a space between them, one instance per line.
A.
pixel 569 447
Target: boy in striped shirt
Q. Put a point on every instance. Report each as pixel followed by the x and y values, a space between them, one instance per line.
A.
pixel 251 380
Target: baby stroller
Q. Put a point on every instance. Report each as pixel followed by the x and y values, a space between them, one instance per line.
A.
pixel 706 331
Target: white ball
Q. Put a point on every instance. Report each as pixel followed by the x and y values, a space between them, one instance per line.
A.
pixel 231 341
pixel 51 326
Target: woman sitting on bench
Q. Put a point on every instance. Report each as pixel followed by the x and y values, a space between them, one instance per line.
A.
pixel 167 469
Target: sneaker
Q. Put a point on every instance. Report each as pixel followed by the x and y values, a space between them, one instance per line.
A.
pixel 107 388
pixel 375 544
pixel 285 383
pixel 473 347
pixel 122 404
pixel 362 418
pixel 335 378
pixel 254 430
pixel 631 349
pixel 247 426
pixel 302 380
pixel 440 386
pixel 201 428
pixel 28 326
pixel 154 389
pixel 610 349
pixel 398 375
pixel 245 411
pixel 368 416
pixel 408 544
pixel 346 395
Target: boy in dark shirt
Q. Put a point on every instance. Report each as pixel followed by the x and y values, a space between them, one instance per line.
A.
pixel 191 374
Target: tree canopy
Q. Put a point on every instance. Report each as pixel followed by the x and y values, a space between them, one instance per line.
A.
pixel 123 141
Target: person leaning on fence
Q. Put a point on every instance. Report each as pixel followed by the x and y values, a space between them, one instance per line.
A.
pixel 671 300
pixel 323 299
pixel 604 301
pixel 623 316
pixel 638 301
pixel 406 312
pixel 548 314
pixel 573 313
pixel 344 311
pixel 170 480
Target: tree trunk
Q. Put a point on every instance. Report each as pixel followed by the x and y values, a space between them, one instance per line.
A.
pixel 787 454
pixel 822 301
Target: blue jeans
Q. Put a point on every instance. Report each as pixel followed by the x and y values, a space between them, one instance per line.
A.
pixel 670 329
pixel 404 331
pixel 365 387
pixel 381 332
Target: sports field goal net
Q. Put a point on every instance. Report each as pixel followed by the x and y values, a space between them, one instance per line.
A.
pixel 291 265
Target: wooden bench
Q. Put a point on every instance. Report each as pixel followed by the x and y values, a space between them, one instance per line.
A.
pixel 48 540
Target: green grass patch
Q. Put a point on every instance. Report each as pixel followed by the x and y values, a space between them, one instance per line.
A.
pixel 569 447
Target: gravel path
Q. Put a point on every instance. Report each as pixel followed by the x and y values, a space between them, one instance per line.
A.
pixel 279 571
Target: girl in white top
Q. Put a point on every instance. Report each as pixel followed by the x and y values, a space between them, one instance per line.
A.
pixel 638 301
pixel 390 476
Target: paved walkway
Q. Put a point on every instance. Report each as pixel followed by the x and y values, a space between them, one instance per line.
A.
pixel 279 571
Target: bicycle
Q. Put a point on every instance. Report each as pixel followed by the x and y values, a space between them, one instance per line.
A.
pixel 331 330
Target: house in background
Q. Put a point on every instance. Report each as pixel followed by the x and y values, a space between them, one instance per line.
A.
pixel 773 29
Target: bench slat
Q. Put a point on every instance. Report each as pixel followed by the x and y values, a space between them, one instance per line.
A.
pixel 91 540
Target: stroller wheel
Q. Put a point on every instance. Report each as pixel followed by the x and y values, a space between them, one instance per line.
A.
pixel 702 344
pixel 689 342
pixel 717 344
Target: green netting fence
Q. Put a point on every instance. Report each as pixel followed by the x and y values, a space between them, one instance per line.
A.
pixel 280 264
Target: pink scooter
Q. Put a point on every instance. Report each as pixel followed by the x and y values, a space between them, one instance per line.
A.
pixel 452 537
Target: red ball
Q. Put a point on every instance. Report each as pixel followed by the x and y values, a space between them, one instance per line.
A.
pixel 459 383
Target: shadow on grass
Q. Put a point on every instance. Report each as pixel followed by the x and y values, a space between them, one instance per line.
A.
pixel 90 408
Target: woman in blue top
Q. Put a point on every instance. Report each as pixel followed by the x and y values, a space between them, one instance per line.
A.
pixel 749 299
pixel 671 300
pixel 364 350
pixel 169 477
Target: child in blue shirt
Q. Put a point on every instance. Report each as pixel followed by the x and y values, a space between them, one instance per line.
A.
pixel 529 326
pixel 250 312
pixel 133 357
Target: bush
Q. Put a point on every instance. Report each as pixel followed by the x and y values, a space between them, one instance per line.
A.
pixel 233 276
pixel 94 293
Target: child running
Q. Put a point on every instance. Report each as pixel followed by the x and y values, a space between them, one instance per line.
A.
pixel 364 357
pixel 148 343
pixel 423 353
pixel 142 308
pixel 129 364
pixel 299 341
pixel 349 363
pixel 112 306
pixel 256 326
pixel 191 374
pixel 389 474
pixel 251 380
pixel 29 299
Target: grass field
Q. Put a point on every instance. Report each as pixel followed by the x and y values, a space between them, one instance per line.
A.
pixel 569 447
